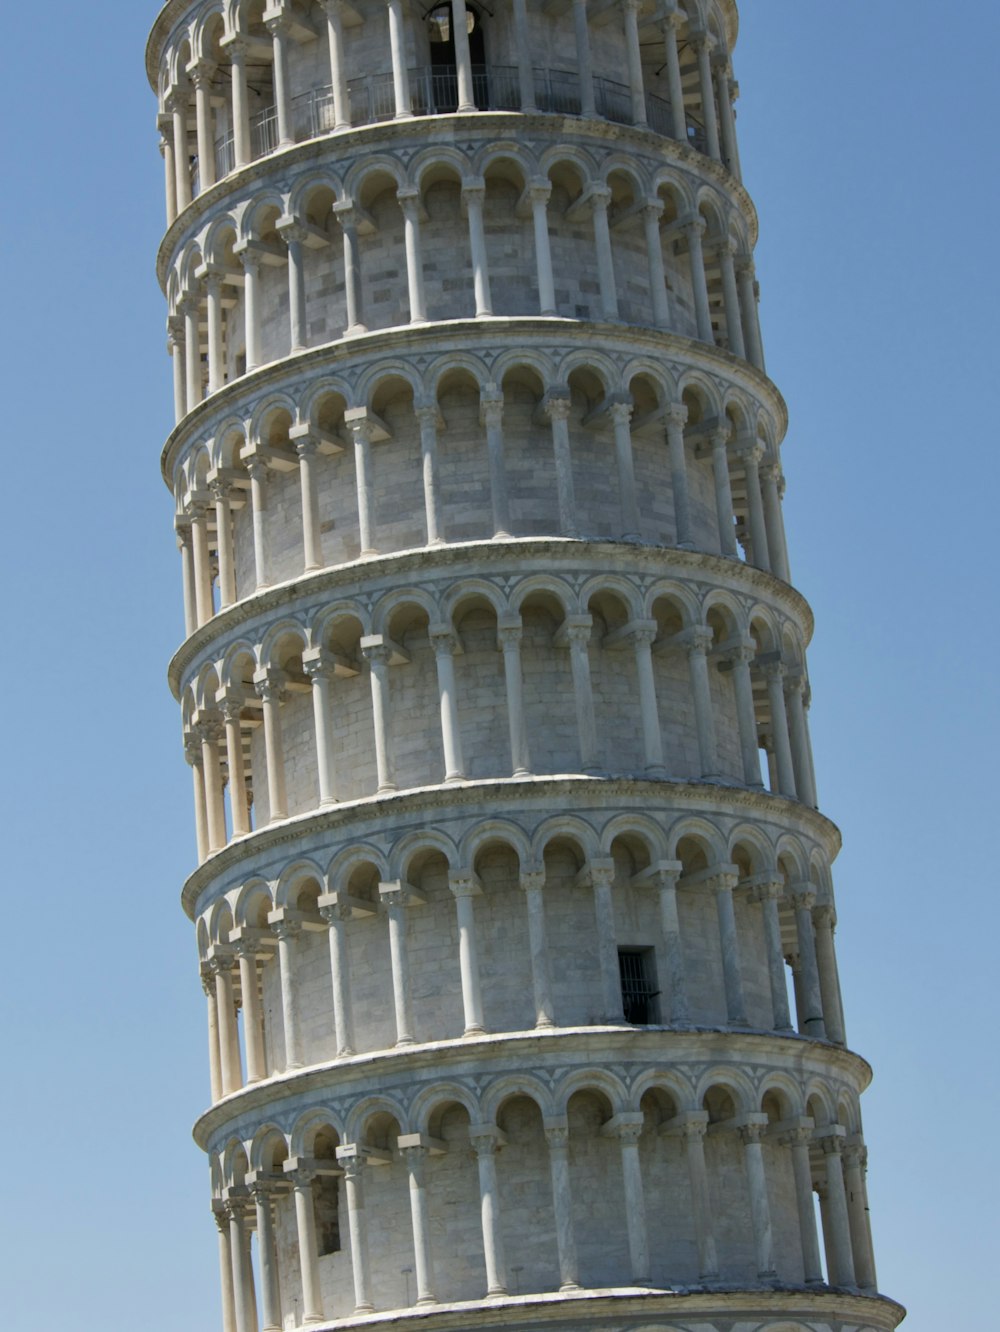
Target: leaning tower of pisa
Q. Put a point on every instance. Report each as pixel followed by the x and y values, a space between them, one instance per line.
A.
pixel 513 902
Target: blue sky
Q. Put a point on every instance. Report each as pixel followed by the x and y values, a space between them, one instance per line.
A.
pixel 867 138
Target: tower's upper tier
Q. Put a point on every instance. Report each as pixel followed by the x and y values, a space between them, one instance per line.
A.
pixel 240 79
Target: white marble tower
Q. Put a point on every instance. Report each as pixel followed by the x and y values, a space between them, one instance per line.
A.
pixel 513 901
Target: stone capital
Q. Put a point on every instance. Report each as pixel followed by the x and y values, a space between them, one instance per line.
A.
pixel 532 880
pixel 465 883
pixel 270 684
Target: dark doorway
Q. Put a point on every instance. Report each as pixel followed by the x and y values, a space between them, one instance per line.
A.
pixel 444 73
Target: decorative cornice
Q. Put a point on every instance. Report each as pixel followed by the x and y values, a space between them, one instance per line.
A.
pixel 357 816
pixel 635 1048
pixel 466 335
pixel 487 554
pixel 492 125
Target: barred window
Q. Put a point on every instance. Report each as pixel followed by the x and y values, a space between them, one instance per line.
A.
pixel 637 970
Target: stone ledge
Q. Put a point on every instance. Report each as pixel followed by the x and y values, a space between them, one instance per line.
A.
pixel 501 792
pixel 487 552
pixel 533 1049
pixel 612 1306
pixel 466 333
pixel 491 124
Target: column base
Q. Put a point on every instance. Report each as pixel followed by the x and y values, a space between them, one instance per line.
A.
pixel 474 1031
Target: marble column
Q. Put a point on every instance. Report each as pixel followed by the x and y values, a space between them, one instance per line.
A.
pixel 557 1137
pixel 400 60
pixel 533 886
pixel 175 346
pixel 703 44
pixel 238 48
pixel 693 1127
pixel 428 416
pixel 748 306
pixel 731 300
pixel 774 675
pixel 294 235
pixel 253 1018
pixel 771 484
pixel 602 875
pixel 633 55
pixel 338 65
pixel 795 687
pixel 445 643
pixel 214 1059
pixel 675 983
pixel 201 76
pixel 723 493
pixel 244 1300
pixel 320 671
pixel 270 687
pixel 694 230
pixel 192 755
pixel 177 105
pixel 751 1133
pixel 652 211
pixel 556 406
pixel 621 416
pixel 539 192
pixel 267 1257
pixel 258 472
pixel 378 655
pixel 674 421
pixel 465 889
pixel 727 89
pixel 229 1040
pixel 797 1140
pixel 169 167
pixel 213 302
pixel 346 216
pixel 750 456
pixel 225 1269
pixel 841 1251
pixel 279 28
pixel 575 633
pixel 643 637
pixel 671 28
pixel 704 714
pixel 509 642
pixel 312 539
pixel 473 199
pixel 525 70
pixel 486 1140
pixel 584 65
pixel 824 923
pixel 251 308
pixel 239 808
pixel 415 1155
pixel 746 714
pixel 288 931
pixel 768 895
pixel 729 943
pixel 336 916
pixel 190 307
pixel 599 199
pixel 352 1161
pixel 185 544
pixel 811 1019
pixel 628 1130
pixel 364 431
pixel 853 1155
pixel 409 202
pixel 463 58
pixel 394 898
pixel 491 416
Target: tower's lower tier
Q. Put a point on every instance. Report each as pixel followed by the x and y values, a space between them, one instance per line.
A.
pixel 533 1038
pixel 721 1309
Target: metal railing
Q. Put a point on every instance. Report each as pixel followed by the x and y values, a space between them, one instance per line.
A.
pixel 434 91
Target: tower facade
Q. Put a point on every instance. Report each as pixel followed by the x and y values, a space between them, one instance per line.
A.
pixel 513 902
